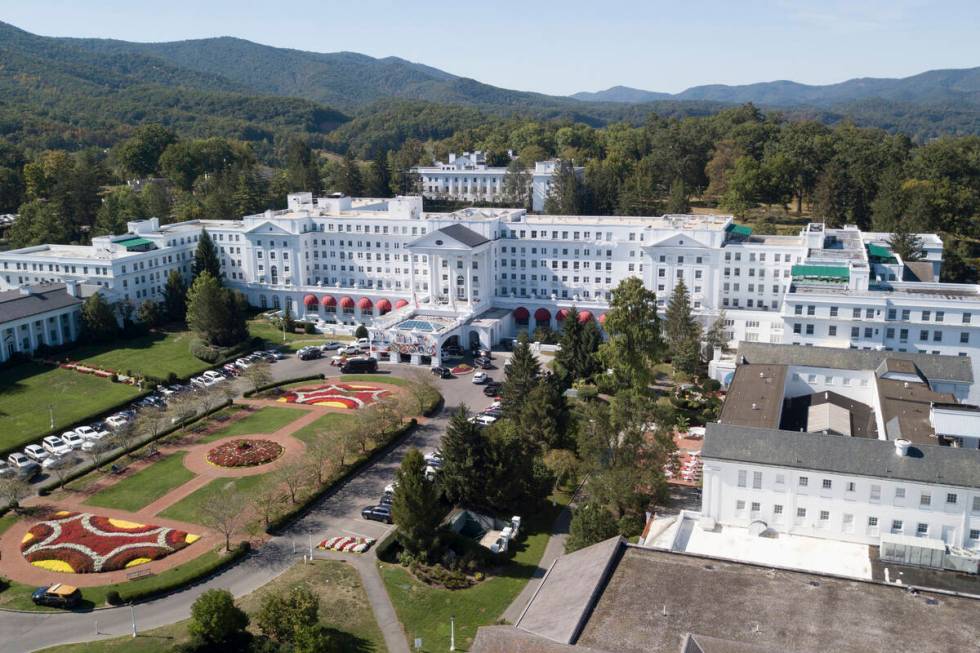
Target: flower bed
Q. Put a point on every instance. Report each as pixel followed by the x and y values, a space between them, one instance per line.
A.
pixel 462 368
pixel 244 453
pixel 348 544
pixel 335 395
pixel 83 543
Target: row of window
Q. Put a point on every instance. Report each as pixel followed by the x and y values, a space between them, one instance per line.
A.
pixel 893 314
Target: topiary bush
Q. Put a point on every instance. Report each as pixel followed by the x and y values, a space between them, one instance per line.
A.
pixel 112 598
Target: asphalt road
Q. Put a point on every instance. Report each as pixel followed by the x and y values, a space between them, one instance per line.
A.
pixel 337 513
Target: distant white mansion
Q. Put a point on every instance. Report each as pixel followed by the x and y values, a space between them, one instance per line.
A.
pixel 467 177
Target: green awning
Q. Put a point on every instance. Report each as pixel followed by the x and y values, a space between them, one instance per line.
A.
pixel 740 230
pixel 880 254
pixel 822 272
pixel 135 243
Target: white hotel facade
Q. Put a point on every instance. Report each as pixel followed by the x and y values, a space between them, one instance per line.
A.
pixel 488 273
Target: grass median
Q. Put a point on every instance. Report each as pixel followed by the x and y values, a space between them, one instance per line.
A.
pixel 145 486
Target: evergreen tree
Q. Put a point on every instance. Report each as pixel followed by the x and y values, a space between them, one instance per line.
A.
pixel 99 322
pixel 380 179
pixel 150 313
pixel 351 181
pixel 302 171
pixel 579 343
pixel 520 377
pixel 206 257
pixel 679 323
pixel 515 476
pixel 464 454
pixel 215 313
pixel 517 184
pixel 634 343
pixel 39 222
pixel 715 337
pixel 591 524
pixel 906 244
pixel 566 196
pixel 544 416
pixel 416 509
pixel 248 195
pixel 175 297
pixel 678 201
pixel 118 207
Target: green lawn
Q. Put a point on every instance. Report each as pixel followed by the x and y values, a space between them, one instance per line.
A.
pixel 425 611
pixel 155 354
pixel 18 596
pixel 145 486
pixel 376 378
pixel 331 423
pixel 262 328
pixel 343 607
pixel 267 419
pixel 6 522
pixel 188 509
pixel 29 392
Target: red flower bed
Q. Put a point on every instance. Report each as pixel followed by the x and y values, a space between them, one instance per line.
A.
pixel 462 369
pixel 83 543
pixel 244 453
pixel 335 395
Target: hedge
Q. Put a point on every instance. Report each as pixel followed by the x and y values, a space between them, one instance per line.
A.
pixel 277 384
pixel 282 521
pixel 175 582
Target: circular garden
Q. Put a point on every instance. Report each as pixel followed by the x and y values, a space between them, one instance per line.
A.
pixel 336 395
pixel 244 453
pixel 83 543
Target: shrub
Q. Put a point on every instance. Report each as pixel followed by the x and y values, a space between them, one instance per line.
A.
pixel 204 352
pixel 630 525
pixel 361 331
pixel 309 328
pixel 112 598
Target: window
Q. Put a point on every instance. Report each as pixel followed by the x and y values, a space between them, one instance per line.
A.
pixel 899 493
pixel 827 484
pixel 872 522
pixel 739 505
pixel 951 498
pixel 756 507
pixel 757 480
pixel 975 534
pixel 921 530
pixel 897 525
pixel 832 330
pixel 804 481
pixel 777 509
pixel 850 486
pixel 967 317
pixel 925 316
pixel 801 513
pixel 742 476
pixel 925 499
pixel 964 338
pixel 824 515
pixel 848 523
pixel 976 504
pixel 875 492
pixel 781 479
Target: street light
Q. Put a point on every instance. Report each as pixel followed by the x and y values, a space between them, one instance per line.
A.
pixel 452 632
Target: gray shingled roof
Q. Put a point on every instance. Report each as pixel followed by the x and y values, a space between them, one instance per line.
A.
pixel 935 368
pixel 843 455
pixel 43 298
pixel 464 235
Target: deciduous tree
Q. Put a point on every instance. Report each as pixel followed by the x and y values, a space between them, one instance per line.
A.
pixel 217 621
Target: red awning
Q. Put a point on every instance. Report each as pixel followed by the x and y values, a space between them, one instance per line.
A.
pixel 364 304
pixel 309 300
pixel 562 314
pixel 346 302
pixel 328 301
pixel 542 315
pixel 584 317
pixel 521 314
pixel 400 303
pixel 602 319
pixel 383 306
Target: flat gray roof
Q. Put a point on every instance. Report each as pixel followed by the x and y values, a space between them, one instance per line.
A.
pixel 43 298
pixel 935 368
pixel 755 396
pixel 838 454
pixel 730 607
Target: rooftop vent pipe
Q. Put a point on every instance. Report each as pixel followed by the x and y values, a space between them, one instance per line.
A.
pixel 902 447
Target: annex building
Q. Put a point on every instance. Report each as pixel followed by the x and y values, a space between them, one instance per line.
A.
pixel 478 275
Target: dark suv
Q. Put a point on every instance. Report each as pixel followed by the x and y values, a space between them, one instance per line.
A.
pixel 359 366
pixel 442 372
pixel 377 513
pixel 58 595
pixel 309 353
pixel 492 389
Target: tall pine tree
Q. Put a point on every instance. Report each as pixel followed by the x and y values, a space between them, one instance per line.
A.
pixel 634 342
pixel 464 454
pixel 415 508
pixel 206 257
pixel 175 297
pixel 520 378
pixel 351 181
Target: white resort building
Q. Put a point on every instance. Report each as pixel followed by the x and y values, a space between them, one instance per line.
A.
pixel 468 178
pixel 484 274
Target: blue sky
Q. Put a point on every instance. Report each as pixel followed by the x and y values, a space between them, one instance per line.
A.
pixel 563 47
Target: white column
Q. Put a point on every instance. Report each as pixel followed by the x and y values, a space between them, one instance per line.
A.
pixel 411 274
pixel 468 280
pixel 434 271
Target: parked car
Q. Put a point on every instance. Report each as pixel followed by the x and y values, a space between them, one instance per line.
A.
pixel 350 350
pixel 359 366
pixel 492 389
pixel 24 466
pixel 386 499
pixel 273 355
pixel 53 461
pixel 442 372
pixel 6 471
pixel 377 513
pixel 55 445
pixel 73 439
pixel 331 346
pixel 95 440
pixel 309 353
pixel 230 368
pixel 391 487
pixel 241 363
pixel 199 382
pixel 165 392
pixel 36 452
pixel 58 595
pixel 217 376
pixel 117 421
pixel 481 377
pixel 453 350
pixel 483 363
pixel 483 420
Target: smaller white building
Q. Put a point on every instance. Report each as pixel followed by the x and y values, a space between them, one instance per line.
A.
pixel 39 315
pixel 467 177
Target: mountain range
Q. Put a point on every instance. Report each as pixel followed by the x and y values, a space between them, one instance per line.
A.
pixel 67 92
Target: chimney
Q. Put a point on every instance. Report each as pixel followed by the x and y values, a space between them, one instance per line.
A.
pixel 25 290
pixel 755 406
pixel 71 287
pixel 902 447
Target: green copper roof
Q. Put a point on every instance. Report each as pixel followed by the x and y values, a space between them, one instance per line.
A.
pixel 822 272
pixel 133 243
pixel 881 253
pixel 740 230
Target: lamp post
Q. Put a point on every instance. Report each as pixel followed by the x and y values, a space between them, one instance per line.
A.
pixel 51 415
pixel 452 632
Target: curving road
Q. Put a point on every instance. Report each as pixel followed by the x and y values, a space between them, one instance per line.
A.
pixel 337 513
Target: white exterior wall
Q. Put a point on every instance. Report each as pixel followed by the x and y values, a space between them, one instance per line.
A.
pixel 53 328
pixel 951 522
